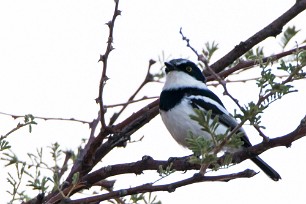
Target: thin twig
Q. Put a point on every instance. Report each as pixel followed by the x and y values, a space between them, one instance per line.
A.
pixel 19 125
pixel 47 118
pixel 244 80
pixel 132 101
pixel 203 59
pixel 148 78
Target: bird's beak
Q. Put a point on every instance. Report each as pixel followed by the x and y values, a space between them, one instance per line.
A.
pixel 169 67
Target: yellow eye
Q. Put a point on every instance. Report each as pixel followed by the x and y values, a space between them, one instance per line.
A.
pixel 188 69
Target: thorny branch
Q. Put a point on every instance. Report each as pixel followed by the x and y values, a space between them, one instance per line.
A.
pixel 104 59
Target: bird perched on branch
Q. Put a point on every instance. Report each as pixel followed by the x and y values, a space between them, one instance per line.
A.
pixel 185 90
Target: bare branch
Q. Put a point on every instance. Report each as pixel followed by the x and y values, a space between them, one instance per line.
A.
pixel 132 101
pixel 47 118
pixel 104 59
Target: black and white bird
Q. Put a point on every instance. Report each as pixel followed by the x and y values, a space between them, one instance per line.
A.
pixel 184 90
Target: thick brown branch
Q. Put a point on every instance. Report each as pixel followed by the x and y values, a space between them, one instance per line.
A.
pixel 166 187
pixel 273 29
pixel 125 129
pixel 285 140
pixel 245 64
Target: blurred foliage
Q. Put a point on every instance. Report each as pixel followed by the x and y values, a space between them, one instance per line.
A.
pixel 289 33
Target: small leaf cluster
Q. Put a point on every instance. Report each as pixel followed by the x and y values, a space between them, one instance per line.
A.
pixel 165 172
pixel 29 119
pixel 15 193
pixel 206 149
pixel 146 198
pixel 4 144
pixel 209 50
pixel 289 33
pixel 35 171
pixel 252 113
pixel 254 54
pixel 271 89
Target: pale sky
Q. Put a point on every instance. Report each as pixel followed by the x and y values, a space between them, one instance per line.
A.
pixel 48 67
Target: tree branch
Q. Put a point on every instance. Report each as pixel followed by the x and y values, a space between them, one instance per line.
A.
pixel 245 64
pixel 273 29
pixel 166 187
pixel 104 59
pixel 181 164
pixel 131 101
pixel 47 118
pixel 285 140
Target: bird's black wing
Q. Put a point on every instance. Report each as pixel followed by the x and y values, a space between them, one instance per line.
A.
pixel 206 100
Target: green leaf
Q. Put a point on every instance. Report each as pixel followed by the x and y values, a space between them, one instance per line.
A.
pixel 75 178
pixel 289 33
pixel 210 49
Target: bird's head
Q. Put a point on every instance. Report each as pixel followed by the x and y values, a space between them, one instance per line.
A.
pixel 183 73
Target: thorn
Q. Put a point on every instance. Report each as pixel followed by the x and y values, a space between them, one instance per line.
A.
pixel 111 48
pixel 105 78
pixel 118 13
pixel 102 58
pixel 109 23
pixel 151 62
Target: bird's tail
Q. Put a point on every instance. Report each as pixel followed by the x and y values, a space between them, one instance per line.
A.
pixel 266 168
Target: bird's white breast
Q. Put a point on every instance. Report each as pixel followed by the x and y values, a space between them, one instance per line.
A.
pixel 178 122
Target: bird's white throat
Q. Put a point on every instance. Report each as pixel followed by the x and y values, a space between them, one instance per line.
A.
pixel 179 79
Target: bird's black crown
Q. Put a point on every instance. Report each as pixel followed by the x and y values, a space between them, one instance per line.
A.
pixel 186 66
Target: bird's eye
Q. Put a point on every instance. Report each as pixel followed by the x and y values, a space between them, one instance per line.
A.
pixel 188 69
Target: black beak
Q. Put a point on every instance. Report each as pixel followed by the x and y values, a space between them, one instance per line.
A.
pixel 169 67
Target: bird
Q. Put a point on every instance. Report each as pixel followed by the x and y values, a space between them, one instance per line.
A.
pixel 184 90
